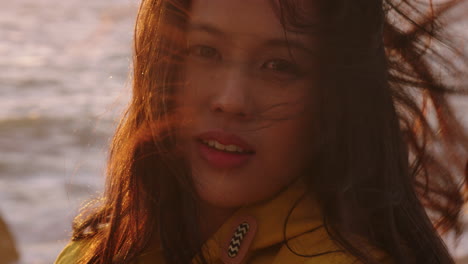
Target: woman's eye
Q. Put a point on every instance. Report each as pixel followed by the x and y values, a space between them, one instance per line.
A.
pixel 281 66
pixel 203 51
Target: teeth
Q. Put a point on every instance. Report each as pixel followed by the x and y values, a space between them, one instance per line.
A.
pixel 219 146
pixel 230 148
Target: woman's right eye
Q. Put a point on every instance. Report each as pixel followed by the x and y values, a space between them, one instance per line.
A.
pixel 205 52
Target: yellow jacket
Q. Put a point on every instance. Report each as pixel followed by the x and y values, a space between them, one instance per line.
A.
pixel 256 235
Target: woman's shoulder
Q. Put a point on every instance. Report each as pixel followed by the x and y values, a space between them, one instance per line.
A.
pixel 318 247
pixel 72 252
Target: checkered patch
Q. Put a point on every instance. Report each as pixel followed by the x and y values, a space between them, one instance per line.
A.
pixel 237 238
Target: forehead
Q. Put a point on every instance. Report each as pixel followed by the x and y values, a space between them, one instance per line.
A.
pixel 238 17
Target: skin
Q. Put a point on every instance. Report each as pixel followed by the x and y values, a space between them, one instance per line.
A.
pixel 242 79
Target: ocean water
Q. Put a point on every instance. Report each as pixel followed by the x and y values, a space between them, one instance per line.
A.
pixel 64 69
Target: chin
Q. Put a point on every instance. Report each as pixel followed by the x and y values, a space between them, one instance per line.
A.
pixel 235 196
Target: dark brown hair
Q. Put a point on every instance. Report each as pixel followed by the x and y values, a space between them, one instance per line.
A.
pixel 388 143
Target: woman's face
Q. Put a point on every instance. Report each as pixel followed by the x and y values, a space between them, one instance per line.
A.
pixel 247 102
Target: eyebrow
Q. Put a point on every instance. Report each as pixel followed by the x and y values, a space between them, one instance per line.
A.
pixel 274 42
pixel 206 28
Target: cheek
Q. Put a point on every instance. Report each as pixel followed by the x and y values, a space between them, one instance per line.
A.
pixel 190 100
pixel 287 150
pixel 288 146
pixel 199 78
pixel 286 154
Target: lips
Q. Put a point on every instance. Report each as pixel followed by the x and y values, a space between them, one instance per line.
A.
pixel 222 159
pixel 226 139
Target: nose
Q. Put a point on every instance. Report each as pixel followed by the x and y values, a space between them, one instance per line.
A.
pixel 231 98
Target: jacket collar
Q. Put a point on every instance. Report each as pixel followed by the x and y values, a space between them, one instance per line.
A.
pixel 289 214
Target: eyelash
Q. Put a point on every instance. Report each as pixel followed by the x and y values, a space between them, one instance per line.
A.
pixel 276 65
pixel 282 66
pixel 205 52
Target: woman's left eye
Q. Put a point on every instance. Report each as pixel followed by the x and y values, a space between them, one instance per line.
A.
pixel 281 66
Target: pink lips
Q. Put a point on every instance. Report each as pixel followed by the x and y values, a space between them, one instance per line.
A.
pixel 222 159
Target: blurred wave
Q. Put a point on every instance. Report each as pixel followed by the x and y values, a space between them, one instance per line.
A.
pixel 64 67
